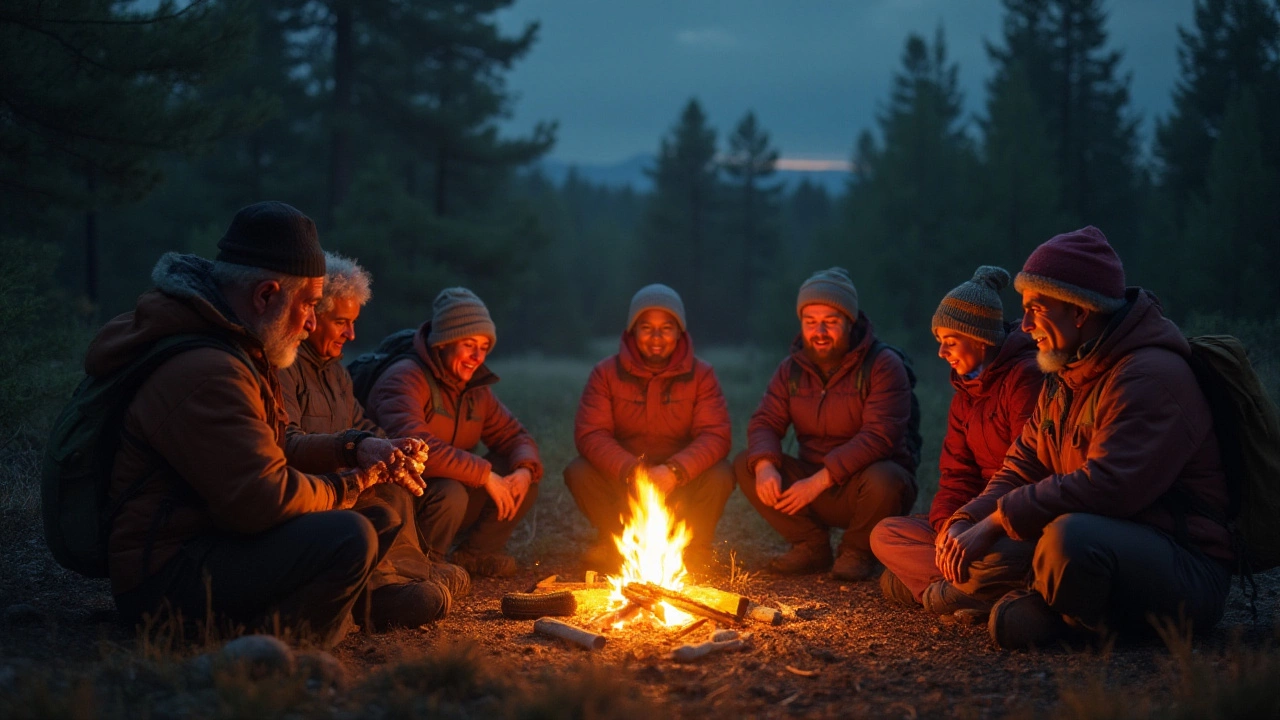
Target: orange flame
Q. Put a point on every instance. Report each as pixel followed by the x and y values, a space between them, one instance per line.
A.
pixel 652 545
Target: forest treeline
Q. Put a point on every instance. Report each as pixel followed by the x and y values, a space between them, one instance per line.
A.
pixel 127 132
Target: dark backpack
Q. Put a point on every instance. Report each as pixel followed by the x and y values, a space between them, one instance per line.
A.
pixel 368 367
pixel 1248 429
pixel 862 381
pixel 81 454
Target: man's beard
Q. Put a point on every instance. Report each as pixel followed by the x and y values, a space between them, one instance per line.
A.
pixel 1052 361
pixel 280 347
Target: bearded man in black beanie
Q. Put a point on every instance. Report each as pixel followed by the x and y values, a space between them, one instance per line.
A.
pixel 211 517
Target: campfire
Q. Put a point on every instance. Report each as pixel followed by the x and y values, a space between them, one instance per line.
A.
pixel 650 589
pixel 652 545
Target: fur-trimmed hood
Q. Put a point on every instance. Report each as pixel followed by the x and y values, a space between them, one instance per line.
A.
pixel 185 300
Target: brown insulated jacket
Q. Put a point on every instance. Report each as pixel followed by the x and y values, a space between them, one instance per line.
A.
pixel 676 414
pixel 454 419
pixel 206 430
pixel 320 401
pixel 987 413
pixel 835 427
pixel 1112 434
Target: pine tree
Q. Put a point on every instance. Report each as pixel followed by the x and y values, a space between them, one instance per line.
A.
pixel 1019 203
pixel 681 220
pixel 1235 45
pixel 96 92
pixel 1233 264
pixel 1061 45
pixel 752 203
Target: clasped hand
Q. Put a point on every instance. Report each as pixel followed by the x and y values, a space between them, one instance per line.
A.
pixel 793 499
pixel 508 492
pixel 962 543
pixel 400 461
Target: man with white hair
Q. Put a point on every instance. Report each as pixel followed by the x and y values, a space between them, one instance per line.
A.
pixel 406 589
pixel 210 517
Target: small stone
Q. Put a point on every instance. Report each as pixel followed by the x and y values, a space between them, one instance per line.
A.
pixel 844 588
pixel 323 669
pixel 263 655
pixel 24 614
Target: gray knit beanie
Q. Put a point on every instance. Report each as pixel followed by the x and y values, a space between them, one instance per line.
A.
pixel 457 313
pixel 830 287
pixel 974 309
pixel 273 236
pixel 656 297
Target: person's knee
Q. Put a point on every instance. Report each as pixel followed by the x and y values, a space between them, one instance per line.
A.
pixel 719 481
pixel 886 534
pixel 1063 540
pixel 445 497
pixel 579 475
pixel 354 541
pixel 743 475
pixel 887 482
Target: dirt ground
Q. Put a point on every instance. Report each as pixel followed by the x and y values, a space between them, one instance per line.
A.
pixel 846 652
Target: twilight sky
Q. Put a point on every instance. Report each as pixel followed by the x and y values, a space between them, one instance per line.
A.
pixel 616 73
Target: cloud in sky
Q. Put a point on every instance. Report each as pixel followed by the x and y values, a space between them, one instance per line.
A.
pixel 713 38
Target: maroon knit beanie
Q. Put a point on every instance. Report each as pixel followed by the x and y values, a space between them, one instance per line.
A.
pixel 1077 267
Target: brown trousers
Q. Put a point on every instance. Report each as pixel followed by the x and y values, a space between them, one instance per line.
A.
pixel 904 545
pixel 699 503
pixel 449 511
pixel 882 490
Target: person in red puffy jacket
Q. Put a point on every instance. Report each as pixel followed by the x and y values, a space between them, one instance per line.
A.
pixel 996 380
pixel 656 407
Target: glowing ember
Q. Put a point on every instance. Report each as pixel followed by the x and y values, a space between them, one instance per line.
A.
pixel 652 546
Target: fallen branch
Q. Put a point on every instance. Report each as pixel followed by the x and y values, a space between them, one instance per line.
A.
pixel 572 633
pixel 692 653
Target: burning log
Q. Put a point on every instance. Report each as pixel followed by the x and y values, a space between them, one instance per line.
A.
pixel 552 583
pixel 732 603
pixel 614 617
pixel 693 653
pixel 572 633
pixel 647 594
pixel 690 628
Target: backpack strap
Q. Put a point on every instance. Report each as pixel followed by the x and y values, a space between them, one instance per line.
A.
pixel 793 377
pixel 862 381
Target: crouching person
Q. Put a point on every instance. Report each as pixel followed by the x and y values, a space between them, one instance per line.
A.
pixel 406 589
pixel 849 399
pixel 443 394
pixel 996 380
pixel 1102 481
pixel 655 407
pixel 210 517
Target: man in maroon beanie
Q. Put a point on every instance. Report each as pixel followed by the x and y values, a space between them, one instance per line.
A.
pixel 1104 476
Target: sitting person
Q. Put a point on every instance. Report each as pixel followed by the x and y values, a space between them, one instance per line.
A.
pixel 1101 482
pixel 855 467
pixel 653 406
pixel 996 380
pixel 212 517
pixel 406 589
pixel 443 394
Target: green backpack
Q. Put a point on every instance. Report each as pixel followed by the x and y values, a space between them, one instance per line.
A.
pixel 81 453
pixel 1248 429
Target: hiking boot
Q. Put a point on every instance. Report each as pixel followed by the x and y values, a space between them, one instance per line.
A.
pixel 854 566
pixel 894 589
pixel 485 564
pixel 409 605
pixel 1022 619
pixel 603 557
pixel 452 577
pixel 802 559
pixel 942 598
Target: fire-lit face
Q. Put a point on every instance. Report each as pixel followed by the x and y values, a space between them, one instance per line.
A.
pixel 463 357
pixel 825 331
pixel 286 320
pixel 335 328
pixel 963 353
pixel 1055 326
pixel 656 333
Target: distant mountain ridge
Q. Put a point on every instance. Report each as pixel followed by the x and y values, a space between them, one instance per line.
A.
pixel 630 173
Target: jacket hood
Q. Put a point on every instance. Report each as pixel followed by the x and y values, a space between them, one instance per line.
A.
pixel 681 360
pixel 1017 345
pixel 185 300
pixel 1140 323
pixel 431 356
pixel 852 359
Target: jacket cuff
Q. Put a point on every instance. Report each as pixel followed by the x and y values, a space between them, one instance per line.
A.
pixel 346 488
pixel 350 442
pixel 753 461
pixel 837 475
pixel 535 470
pixel 682 476
pixel 628 471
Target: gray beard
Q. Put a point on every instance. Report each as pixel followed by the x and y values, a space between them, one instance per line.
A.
pixel 281 348
pixel 1052 361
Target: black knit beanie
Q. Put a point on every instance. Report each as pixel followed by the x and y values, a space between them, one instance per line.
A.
pixel 273 236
